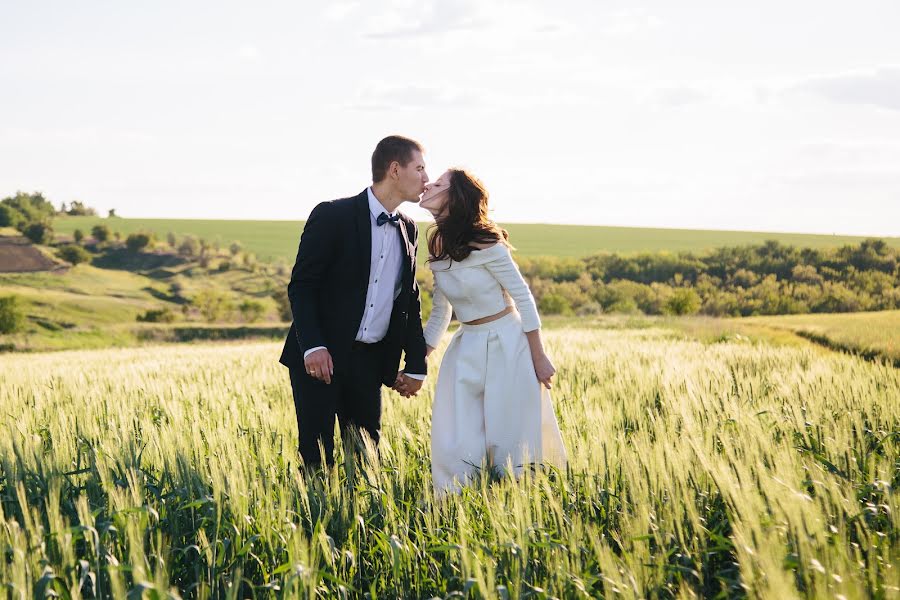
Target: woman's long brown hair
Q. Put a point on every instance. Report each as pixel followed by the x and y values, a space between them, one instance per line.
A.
pixel 466 221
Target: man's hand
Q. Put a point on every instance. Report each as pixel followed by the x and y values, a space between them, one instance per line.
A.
pixel 319 365
pixel 407 386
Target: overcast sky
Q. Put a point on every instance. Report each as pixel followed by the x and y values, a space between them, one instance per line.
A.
pixel 765 115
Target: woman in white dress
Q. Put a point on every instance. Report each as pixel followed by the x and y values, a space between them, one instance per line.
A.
pixel 492 405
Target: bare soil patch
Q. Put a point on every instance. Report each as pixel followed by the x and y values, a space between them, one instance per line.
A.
pixel 18 255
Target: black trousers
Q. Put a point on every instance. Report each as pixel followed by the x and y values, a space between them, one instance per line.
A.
pixel 353 396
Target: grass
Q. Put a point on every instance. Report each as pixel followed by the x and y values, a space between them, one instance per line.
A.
pixel 729 469
pixel 277 240
pixel 871 334
pixel 86 305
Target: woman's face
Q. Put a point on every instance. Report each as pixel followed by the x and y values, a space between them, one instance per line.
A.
pixel 436 195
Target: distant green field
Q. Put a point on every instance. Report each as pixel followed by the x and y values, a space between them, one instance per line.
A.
pixel 278 239
pixel 868 333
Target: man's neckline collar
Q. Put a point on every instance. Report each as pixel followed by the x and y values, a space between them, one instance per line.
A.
pixel 375 205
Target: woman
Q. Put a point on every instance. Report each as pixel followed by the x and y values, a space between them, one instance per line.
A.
pixel 492 401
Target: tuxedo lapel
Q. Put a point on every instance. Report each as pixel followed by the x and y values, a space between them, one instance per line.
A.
pixel 404 236
pixel 364 235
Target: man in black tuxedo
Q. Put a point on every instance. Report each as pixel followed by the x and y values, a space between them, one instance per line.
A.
pixel 355 304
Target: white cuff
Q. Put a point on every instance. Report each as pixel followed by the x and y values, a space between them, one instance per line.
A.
pixel 311 350
pixel 416 376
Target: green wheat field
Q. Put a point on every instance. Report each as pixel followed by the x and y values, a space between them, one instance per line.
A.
pixel 729 469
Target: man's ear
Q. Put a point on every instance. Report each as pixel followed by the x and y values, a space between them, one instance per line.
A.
pixel 394 169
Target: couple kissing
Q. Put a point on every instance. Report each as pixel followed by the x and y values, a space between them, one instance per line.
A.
pixel 356 311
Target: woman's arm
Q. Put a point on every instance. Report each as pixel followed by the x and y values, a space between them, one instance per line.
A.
pixel 543 368
pixel 507 274
pixel 438 320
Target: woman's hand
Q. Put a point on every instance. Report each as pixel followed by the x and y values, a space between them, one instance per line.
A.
pixel 544 369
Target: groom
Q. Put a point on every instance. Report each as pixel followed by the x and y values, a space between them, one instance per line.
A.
pixel 355 303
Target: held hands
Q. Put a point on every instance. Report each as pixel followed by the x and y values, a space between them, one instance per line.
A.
pixel 544 369
pixel 319 365
pixel 407 386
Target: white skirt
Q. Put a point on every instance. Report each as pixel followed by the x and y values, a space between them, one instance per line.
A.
pixel 489 408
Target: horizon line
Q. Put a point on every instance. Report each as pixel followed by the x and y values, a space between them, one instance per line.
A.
pixel 581 225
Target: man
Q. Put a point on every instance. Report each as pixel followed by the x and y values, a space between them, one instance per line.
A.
pixel 355 304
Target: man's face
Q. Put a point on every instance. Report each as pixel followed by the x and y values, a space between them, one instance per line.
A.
pixel 412 178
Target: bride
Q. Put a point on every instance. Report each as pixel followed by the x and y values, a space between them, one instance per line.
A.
pixel 492 405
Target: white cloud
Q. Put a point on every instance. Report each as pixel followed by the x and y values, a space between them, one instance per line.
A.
pixel 677 96
pixel 248 52
pixel 338 11
pixel 879 87
pixel 413 97
pixel 853 178
pixel 629 22
pixel 438 17
pixel 430 17
pixel 851 151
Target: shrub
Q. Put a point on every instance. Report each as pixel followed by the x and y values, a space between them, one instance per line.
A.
pixel 78 235
pixel 628 297
pixel 744 278
pixel 11 316
pixel 591 308
pixel 79 209
pixel 136 242
pixel 836 297
pixel 554 304
pixel 721 304
pixel 683 301
pixel 100 233
pixel 251 310
pixel 806 274
pixel 548 267
pixel 189 246
pixel 626 306
pixel 39 233
pixel 74 254
pixel 250 262
pixel 213 305
pixel 10 217
pixel 23 209
pixel 162 315
pixel 284 304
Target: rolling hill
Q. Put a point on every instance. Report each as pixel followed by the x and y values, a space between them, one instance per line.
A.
pixel 277 240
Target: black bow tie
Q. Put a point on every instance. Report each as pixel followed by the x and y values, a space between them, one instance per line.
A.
pixel 384 218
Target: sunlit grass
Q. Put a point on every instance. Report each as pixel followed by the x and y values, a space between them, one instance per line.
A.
pixel 695 468
pixel 872 334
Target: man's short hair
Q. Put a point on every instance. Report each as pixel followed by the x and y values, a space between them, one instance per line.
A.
pixel 390 149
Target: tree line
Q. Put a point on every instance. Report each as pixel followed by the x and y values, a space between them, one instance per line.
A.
pixel 764 279
pixel 32 214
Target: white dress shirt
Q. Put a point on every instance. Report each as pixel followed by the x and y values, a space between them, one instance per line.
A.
pixel 384 277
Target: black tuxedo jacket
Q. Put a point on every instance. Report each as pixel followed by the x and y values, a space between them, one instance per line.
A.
pixel 329 284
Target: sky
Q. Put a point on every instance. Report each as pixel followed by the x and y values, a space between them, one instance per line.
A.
pixel 765 115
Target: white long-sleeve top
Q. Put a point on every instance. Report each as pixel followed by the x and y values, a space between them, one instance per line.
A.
pixel 474 288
